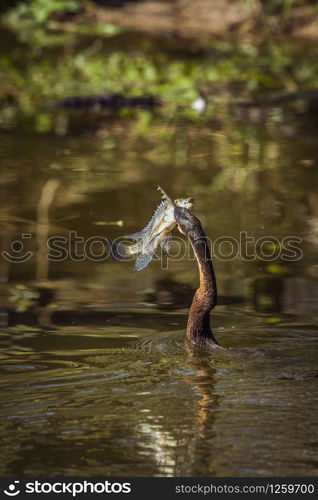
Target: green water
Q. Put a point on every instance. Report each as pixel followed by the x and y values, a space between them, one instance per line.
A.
pixel 96 378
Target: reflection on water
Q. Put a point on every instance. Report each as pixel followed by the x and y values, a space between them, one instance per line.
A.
pixel 89 401
pixel 95 376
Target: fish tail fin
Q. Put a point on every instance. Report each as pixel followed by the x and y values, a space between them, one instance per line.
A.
pixel 143 260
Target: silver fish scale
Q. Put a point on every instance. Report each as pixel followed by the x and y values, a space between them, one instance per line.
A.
pixel 157 214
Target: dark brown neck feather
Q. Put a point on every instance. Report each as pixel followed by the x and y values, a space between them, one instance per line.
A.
pixel 198 328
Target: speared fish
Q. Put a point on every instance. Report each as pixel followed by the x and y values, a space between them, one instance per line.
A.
pixel 156 232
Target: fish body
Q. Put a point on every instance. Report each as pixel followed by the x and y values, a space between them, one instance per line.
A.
pixel 156 232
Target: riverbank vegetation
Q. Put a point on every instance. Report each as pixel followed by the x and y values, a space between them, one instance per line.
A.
pixel 56 49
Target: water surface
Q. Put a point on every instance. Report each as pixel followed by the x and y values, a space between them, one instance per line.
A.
pixel 96 378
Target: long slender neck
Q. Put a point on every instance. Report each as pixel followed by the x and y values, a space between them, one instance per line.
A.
pixel 198 327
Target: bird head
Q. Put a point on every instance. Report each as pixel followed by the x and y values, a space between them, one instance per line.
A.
pixel 185 203
pixel 186 221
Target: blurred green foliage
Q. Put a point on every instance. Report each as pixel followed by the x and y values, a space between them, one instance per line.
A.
pixel 55 60
pixel 284 7
pixel 39 11
pixel 37 23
